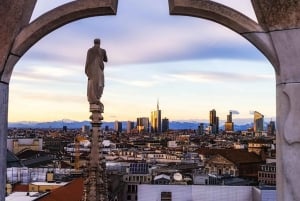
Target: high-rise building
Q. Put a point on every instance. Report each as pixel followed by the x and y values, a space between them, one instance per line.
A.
pixel 85 129
pixel 229 125
pixel 156 120
pixel 130 126
pixel 214 121
pixel 271 128
pixel 201 129
pixel 142 124
pixel 165 124
pixel 258 122
pixel 118 126
pixel 65 129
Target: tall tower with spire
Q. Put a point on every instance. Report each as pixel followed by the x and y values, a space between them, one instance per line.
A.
pixel 156 119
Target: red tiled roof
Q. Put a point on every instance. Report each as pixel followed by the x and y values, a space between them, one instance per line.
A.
pixel 71 192
pixel 20 188
pixel 236 156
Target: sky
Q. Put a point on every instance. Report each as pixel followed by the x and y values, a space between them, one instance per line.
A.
pixel 189 65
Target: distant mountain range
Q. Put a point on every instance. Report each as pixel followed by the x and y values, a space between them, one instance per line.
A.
pixel 176 125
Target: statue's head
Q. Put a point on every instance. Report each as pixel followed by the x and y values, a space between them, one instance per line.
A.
pixel 97 41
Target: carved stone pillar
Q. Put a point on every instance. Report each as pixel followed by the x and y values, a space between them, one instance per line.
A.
pixel 3 135
pixel 281 20
pixel 95 185
pixel 287 45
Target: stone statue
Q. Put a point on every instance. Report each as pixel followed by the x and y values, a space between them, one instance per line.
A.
pixel 94 69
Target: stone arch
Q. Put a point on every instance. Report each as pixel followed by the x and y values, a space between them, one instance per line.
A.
pixel 52 20
pixel 231 19
pixel 76 10
pixel 276 36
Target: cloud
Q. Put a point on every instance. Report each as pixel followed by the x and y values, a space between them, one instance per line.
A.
pixel 46 74
pixel 45 96
pixel 136 83
pixel 202 76
pixel 151 36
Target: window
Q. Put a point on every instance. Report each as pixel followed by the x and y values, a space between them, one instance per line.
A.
pixel 166 196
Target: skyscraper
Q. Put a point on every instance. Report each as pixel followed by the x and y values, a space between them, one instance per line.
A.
pixel 118 126
pixel 201 129
pixel 214 121
pixel 156 120
pixel 229 125
pixel 258 122
pixel 130 126
pixel 165 124
pixel 142 124
pixel 271 128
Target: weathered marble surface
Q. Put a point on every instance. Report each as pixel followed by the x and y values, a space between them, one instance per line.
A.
pixel 214 11
pixel 3 136
pixel 14 15
pixel 277 14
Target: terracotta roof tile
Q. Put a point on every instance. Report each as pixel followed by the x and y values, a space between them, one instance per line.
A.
pixel 71 192
pixel 20 188
pixel 237 156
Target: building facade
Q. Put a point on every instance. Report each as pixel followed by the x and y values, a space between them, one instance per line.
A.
pixel 18 145
pixel 130 126
pixel 156 120
pixel 229 125
pixel 142 124
pixel 138 173
pixel 118 126
pixel 165 125
pixel 214 121
pixel 267 174
pixel 258 122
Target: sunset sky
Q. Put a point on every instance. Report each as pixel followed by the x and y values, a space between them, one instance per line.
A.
pixel 189 64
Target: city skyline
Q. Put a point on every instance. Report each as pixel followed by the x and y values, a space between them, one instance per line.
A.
pixel 151 55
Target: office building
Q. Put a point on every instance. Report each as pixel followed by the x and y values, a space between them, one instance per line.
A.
pixel 130 126
pixel 142 124
pixel 229 125
pixel 165 124
pixel 156 120
pixel 85 129
pixel 201 129
pixel 271 128
pixel 214 121
pixel 118 126
pixel 258 122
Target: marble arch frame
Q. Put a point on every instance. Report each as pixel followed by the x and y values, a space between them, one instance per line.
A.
pixel 51 21
pixel 275 35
